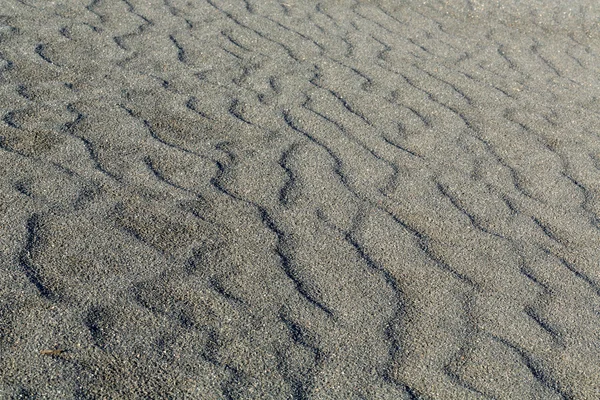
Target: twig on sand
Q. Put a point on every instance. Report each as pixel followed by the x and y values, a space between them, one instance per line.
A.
pixel 52 352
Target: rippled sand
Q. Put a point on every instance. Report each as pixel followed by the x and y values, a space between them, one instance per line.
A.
pixel 340 200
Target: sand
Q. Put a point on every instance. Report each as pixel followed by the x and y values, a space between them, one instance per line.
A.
pixel 249 199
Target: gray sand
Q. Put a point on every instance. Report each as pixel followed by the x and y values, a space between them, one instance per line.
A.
pixel 251 199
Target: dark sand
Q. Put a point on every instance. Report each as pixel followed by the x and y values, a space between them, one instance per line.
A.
pixel 275 200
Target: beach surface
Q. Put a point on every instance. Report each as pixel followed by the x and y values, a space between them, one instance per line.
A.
pixel 290 199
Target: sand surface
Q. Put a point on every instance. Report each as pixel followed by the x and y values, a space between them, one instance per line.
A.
pixel 249 199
